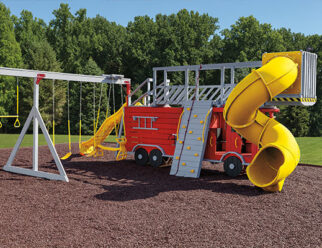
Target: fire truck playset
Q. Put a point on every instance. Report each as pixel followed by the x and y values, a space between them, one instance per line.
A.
pixel 186 123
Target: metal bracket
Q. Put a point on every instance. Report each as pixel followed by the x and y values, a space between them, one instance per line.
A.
pixel 39 77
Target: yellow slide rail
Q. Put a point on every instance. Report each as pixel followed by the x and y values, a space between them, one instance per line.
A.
pixel 279 153
pixel 94 147
pixel 89 147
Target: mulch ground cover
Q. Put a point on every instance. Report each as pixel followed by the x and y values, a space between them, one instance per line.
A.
pixel 121 204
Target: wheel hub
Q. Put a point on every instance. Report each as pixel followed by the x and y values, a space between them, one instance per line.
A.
pixel 231 166
pixel 140 156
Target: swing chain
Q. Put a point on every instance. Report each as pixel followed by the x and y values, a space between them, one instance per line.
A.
pixel 94 110
pixel 17 122
pixel 80 116
pixel 99 107
pixel 121 93
pixel 108 100
pixel 68 124
pixel 69 138
pixel 53 112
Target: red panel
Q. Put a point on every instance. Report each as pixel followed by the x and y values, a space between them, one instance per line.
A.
pixel 211 148
pixel 166 125
pixel 215 120
pixel 229 141
pixel 151 133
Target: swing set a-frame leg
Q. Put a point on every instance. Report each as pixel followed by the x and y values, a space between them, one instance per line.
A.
pixel 37 121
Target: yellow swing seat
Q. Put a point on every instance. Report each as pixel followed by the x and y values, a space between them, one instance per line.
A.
pixel 66 156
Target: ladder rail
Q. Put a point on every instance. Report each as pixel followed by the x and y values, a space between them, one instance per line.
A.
pixel 192 130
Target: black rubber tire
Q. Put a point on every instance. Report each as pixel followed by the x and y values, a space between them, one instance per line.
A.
pixel 141 156
pixel 155 158
pixel 233 166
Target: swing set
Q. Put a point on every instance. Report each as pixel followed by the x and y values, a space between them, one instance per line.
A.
pixel 97 148
pixel 91 147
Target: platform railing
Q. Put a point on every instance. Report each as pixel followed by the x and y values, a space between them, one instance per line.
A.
pixel 178 94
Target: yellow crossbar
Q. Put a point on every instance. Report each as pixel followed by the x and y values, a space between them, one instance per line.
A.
pixel 9 116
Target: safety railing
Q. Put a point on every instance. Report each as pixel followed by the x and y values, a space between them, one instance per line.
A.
pixel 177 94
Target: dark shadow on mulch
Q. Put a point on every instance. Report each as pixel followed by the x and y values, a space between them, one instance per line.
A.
pixel 311 165
pixel 140 182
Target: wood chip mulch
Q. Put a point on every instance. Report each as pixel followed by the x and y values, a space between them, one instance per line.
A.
pixel 121 204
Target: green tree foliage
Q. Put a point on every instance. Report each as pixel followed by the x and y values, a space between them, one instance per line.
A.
pixel 108 45
pixel 10 53
pixel 78 38
pixel 38 55
pixel 314 44
pixel 75 43
pixel 10 56
pixel 248 39
pixel 293 41
pixel 177 39
pixel 60 37
pixel 28 30
pixel 141 48
pixel 184 38
pixel 295 119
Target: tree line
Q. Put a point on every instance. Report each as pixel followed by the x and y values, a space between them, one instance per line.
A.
pixel 75 43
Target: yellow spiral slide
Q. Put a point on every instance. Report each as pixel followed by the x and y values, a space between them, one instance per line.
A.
pixel 279 153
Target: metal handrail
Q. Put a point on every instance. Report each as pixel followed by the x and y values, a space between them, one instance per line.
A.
pixel 141 85
pixel 141 97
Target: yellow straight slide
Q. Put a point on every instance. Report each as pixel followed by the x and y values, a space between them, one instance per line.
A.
pixel 88 147
pixel 279 153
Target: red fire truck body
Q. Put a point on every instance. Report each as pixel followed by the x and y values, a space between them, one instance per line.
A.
pixel 152 129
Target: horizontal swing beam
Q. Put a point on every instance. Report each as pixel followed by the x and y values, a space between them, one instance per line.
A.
pixel 110 79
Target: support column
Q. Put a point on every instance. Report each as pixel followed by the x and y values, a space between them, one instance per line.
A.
pixel 222 84
pixel 128 92
pixel 197 76
pixel 148 90
pixel 35 127
pixel 186 84
pixel 154 87
pixel 166 88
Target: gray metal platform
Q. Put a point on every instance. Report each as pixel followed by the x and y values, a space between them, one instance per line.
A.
pixel 192 139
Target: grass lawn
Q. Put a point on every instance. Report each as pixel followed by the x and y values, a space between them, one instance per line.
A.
pixel 9 140
pixel 311 150
pixel 311 147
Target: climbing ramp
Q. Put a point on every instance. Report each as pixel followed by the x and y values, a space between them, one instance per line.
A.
pixel 191 139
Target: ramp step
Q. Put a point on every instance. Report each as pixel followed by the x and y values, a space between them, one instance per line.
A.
pixel 192 139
